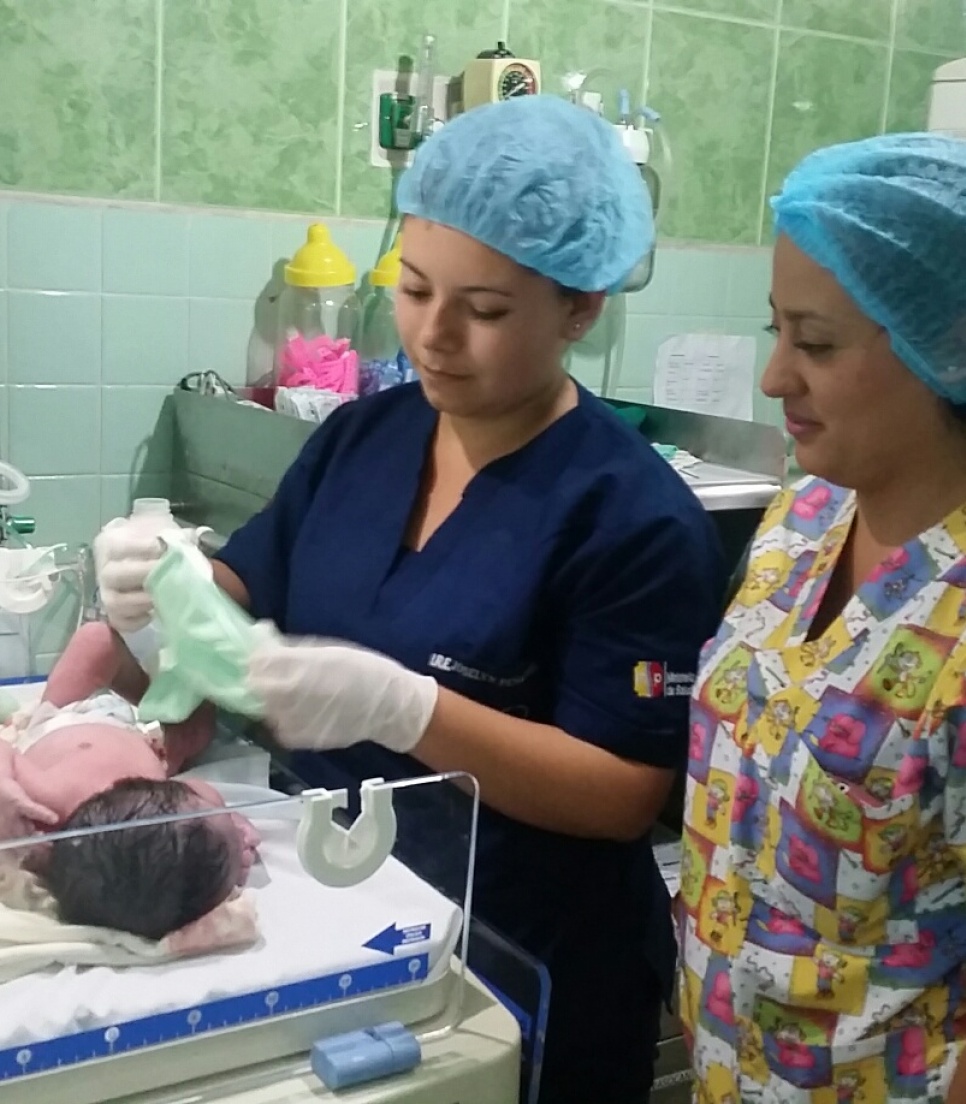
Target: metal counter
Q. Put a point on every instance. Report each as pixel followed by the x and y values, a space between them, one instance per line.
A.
pixel 221 461
pixel 722 488
pixel 741 464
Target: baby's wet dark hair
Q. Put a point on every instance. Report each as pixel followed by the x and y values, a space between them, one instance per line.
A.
pixel 149 880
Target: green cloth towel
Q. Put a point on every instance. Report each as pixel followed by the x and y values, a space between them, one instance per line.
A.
pixel 207 641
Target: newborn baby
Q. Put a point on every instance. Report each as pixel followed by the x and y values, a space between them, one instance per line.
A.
pixel 79 762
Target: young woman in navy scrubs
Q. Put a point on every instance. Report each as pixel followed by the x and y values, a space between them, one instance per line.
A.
pixel 529 582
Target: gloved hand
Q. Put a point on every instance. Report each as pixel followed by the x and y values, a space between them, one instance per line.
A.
pixel 123 559
pixel 124 556
pixel 319 695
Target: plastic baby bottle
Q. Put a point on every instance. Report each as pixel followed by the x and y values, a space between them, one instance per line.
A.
pixel 379 346
pixel 153 517
pixel 315 322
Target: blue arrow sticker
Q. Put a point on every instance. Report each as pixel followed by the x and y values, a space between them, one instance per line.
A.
pixel 390 939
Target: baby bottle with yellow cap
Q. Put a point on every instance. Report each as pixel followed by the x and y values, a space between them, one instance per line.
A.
pixel 312 347
pixel 379 345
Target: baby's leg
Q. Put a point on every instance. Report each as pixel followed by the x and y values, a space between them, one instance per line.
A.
pixel 95 658
pixel 188 738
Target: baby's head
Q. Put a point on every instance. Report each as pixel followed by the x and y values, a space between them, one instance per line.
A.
pixel 149 880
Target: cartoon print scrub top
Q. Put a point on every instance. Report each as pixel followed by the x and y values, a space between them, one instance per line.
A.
pixel 823 900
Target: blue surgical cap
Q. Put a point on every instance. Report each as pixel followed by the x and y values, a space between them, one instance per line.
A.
pixel 543 181
pixel 887 217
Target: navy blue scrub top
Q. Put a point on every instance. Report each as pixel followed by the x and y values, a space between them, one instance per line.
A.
pixel 574 586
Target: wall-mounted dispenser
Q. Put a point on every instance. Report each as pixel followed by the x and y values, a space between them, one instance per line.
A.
pixel 406 117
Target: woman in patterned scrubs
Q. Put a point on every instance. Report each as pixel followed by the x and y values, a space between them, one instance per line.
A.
pixel 823 904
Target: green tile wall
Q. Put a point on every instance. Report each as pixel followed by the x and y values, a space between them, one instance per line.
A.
pixel 249 102
pixel 77 96
pixel 265 103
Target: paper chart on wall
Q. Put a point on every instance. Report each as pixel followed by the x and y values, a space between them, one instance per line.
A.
pixel 706 374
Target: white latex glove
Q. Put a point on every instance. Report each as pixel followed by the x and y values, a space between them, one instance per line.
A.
pixel 124 556
pixel 123 559
pixel 321 695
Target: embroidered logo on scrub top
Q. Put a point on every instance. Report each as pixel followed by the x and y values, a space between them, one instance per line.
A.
pixel 439 662
pixel 654 680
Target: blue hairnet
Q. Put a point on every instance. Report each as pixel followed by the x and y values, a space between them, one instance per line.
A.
pixel 542 181
pixel 887 217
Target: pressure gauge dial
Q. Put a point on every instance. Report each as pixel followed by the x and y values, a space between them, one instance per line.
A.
pixel 516 79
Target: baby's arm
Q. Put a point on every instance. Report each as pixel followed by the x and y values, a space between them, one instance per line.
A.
pixel 95 658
